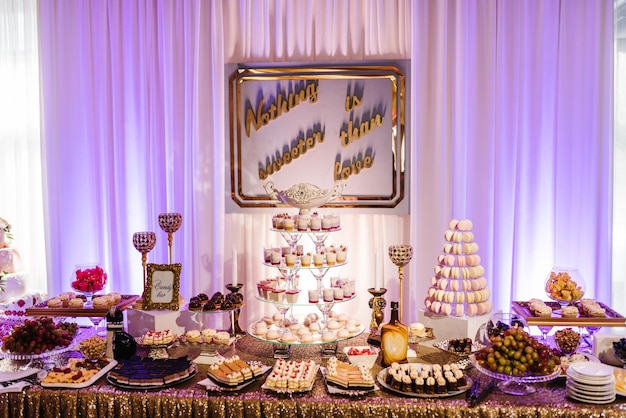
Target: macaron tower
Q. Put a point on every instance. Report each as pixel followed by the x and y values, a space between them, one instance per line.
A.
pixel 459 287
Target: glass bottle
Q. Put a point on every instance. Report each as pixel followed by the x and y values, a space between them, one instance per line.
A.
pixel 394 339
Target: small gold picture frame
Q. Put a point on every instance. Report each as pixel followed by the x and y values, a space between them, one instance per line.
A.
pixel 162 287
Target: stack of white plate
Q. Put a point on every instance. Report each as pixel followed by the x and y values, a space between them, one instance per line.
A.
pixel 591 382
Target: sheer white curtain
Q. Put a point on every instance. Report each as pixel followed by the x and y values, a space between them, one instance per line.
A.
pixel 20 152
pixel 133 118
pixel 510 127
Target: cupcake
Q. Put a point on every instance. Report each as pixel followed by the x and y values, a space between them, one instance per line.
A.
pixel 306 338
pixel 569 312
pixel 221 337
pixel 55 303
pixel 329 336
pixel 207 334
pixel 460 377
pixel 192 336
pixel 441 385
pixel 115 297
pixel 65 299
pixel 453 384
pixel 194 305
pixel 407 384
pixel 100 302
pixel 343 333
pixel 208 306
pixel 418 385
pixel 429 387
pixel 260 329
pixel 396 381
pixel 76 303
pixel 272 334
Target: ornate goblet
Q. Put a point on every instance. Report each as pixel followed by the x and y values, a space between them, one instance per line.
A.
pixel 400 255
pixel 144 242
pixel 170 222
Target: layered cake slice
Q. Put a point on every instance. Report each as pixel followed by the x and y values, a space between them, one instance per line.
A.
pixel 145 372
pixel 233 371
pixel 348 375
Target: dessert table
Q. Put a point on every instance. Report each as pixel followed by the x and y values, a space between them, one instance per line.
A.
pixel 191 399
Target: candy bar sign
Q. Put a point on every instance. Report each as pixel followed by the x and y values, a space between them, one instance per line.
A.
pixel 318 125
pixel 162 288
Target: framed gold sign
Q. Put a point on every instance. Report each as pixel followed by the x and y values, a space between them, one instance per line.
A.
pixel 162 287
pixel 318 125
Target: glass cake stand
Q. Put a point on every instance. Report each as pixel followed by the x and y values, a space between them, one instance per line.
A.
pixel 43 360
pixel 516 385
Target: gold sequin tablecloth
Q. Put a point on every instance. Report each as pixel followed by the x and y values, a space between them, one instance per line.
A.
pixel 191 399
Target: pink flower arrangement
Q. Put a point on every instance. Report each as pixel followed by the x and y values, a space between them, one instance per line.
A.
pixel 90 279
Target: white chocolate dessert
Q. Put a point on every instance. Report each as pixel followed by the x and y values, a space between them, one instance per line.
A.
pixel 291 375
pixel 348 375
pixel 459 286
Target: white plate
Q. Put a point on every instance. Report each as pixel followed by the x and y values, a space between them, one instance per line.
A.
pixel 382 375
pixel 585 380
pixel 590 400
pixel 591 389
pixel 17 375
pixel 591 370
pixel 81 385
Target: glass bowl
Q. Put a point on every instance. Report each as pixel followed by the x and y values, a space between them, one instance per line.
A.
pixel 567 340
pixel 93 348
pixel 88 279
pixel 565 285
pixel 499 323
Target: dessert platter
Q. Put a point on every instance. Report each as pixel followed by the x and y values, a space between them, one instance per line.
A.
pixel 513 367
pixel 462 347
pixel 233 374
pixel 310 331
pixel 145 373
pixel 459 286
pixel 347 379
pixel 424 380
pixel 291 376
pixel 77 373
pixel 69 304
pixel 576 314
pixel 157 342
pixel 208 340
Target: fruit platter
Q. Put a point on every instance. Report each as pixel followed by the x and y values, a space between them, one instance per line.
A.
pixel 517 359
pixel 38 338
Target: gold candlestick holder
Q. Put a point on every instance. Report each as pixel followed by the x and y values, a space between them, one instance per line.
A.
pixel 144 242
pixel 170 222
pixel 235 330
pixel 400 255
pixel 377 303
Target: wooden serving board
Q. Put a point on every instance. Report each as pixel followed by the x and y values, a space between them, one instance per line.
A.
pixel 41 309
pixel 612 318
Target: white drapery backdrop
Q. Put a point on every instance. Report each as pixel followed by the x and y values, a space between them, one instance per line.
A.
pixel 510 127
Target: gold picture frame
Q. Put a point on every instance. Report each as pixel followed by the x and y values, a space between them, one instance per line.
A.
pixel 162 287
pixel 320 125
